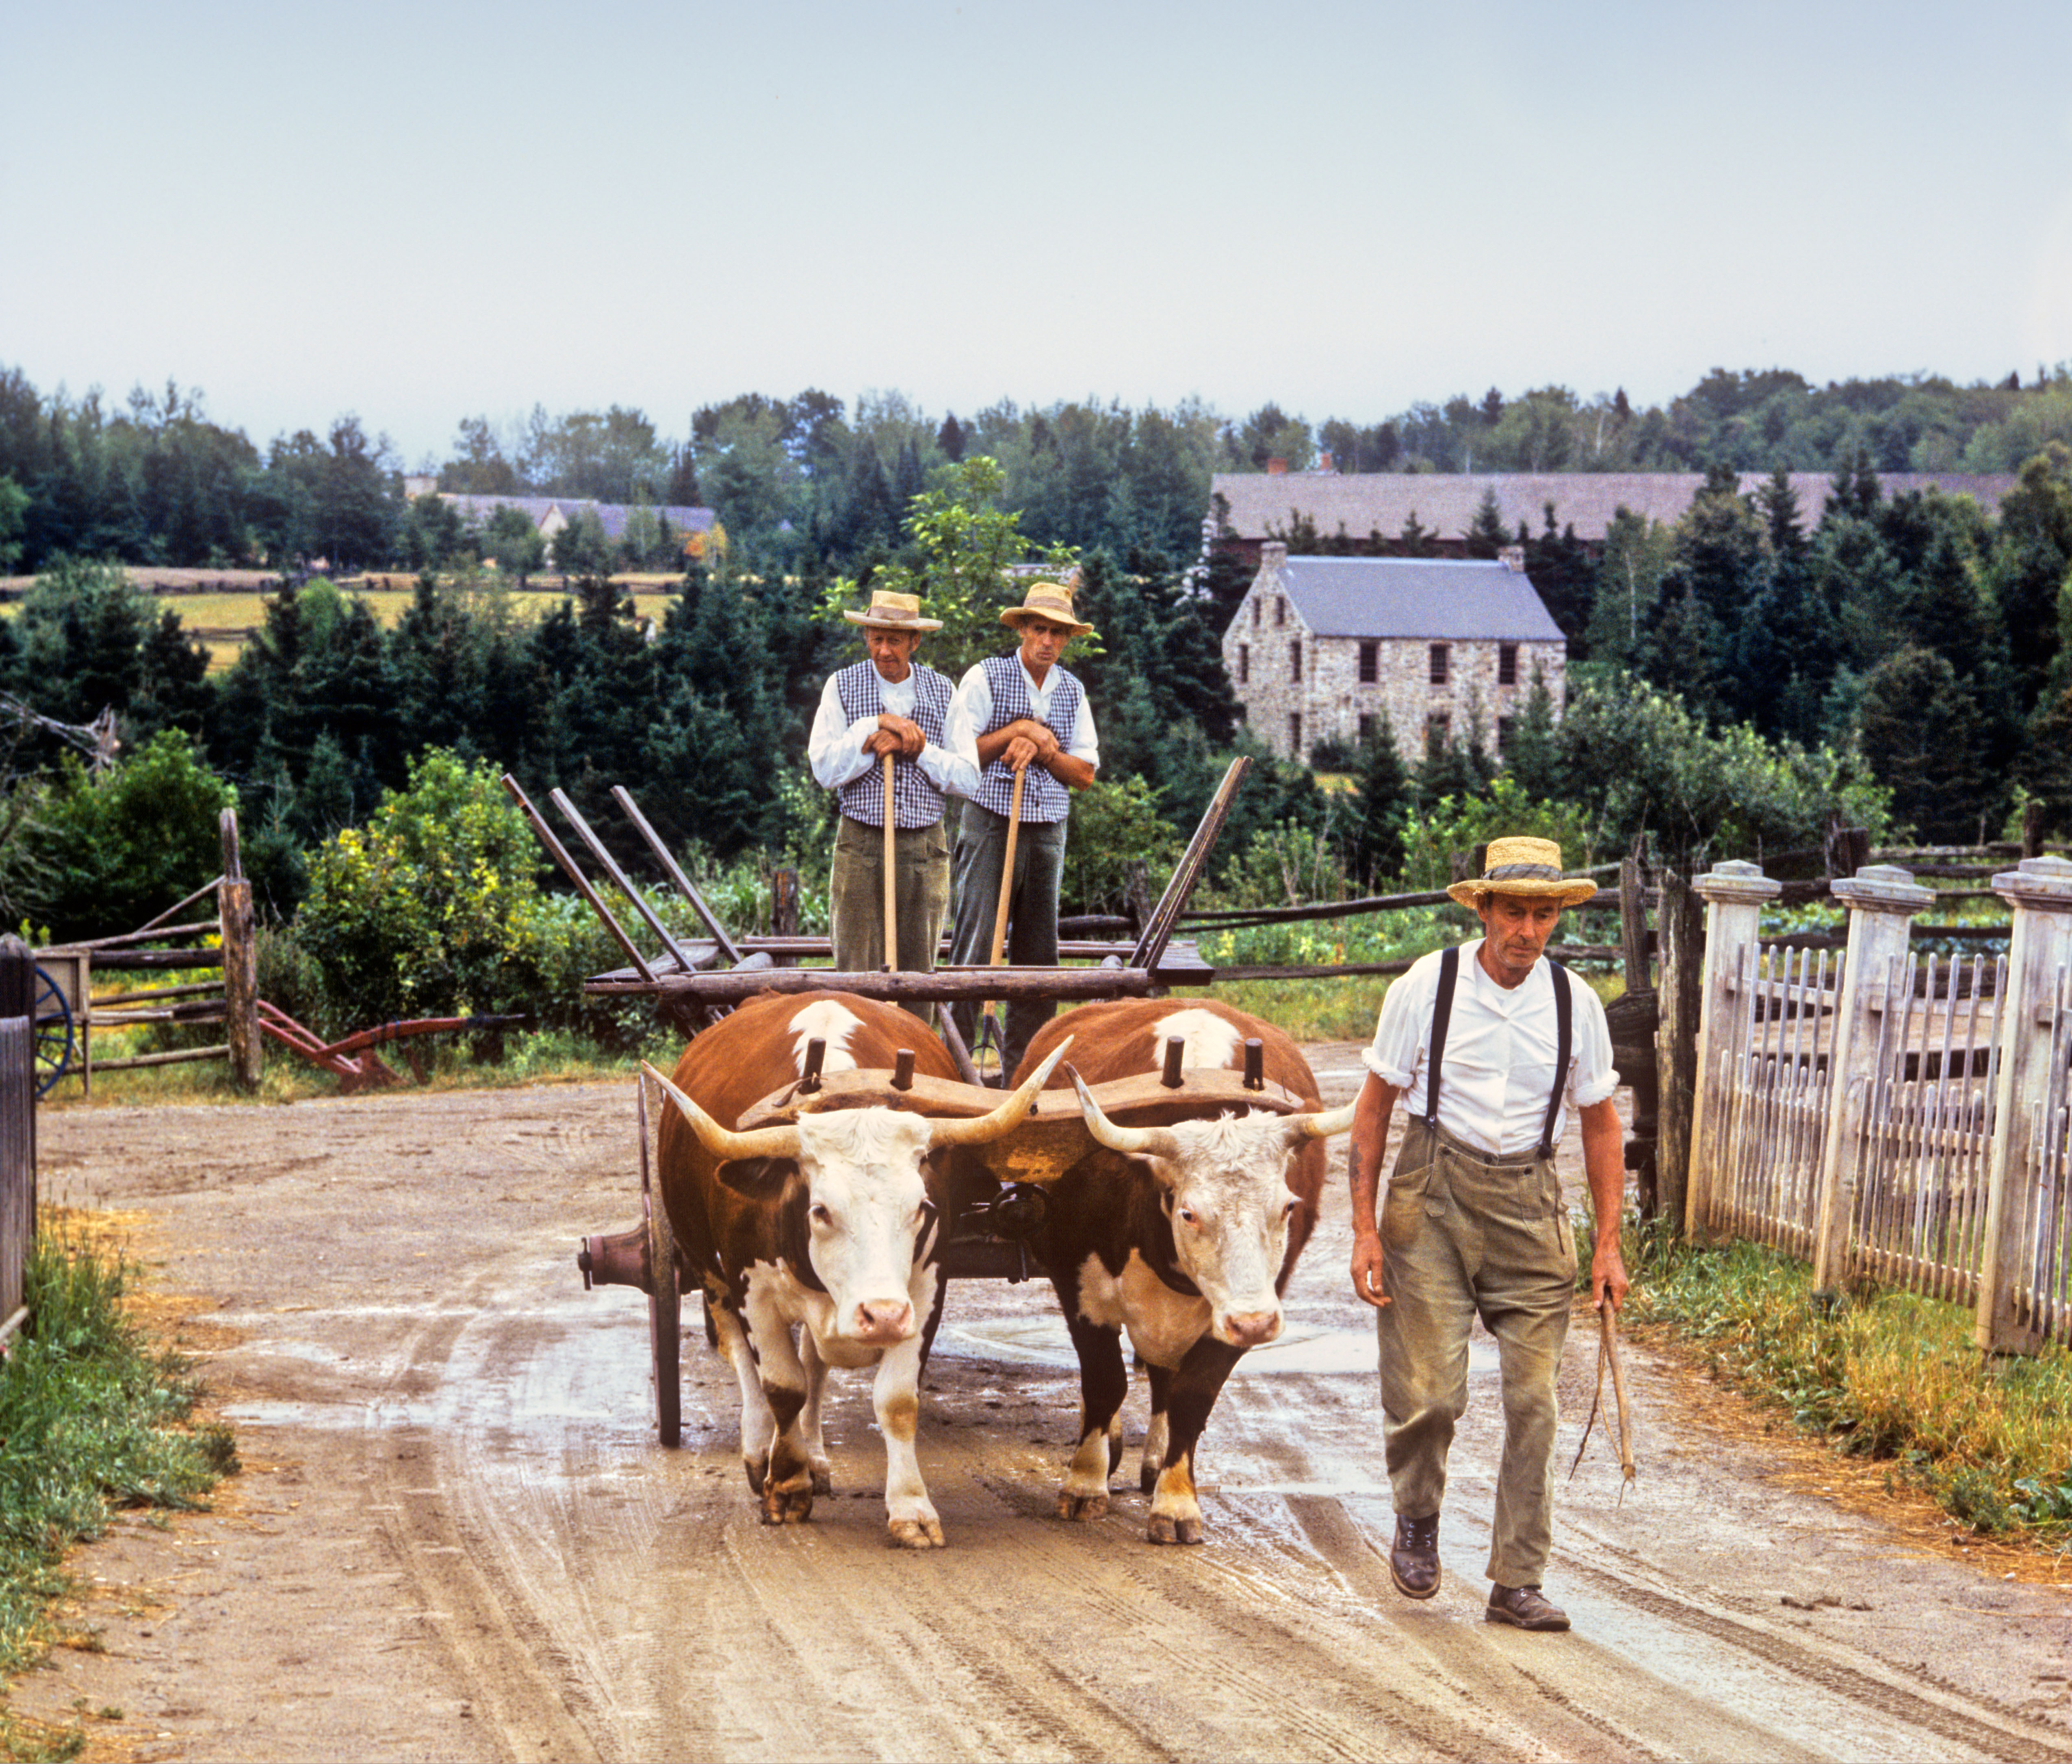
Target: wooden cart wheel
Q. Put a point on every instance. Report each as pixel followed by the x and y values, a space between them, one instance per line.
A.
pixel 664 1300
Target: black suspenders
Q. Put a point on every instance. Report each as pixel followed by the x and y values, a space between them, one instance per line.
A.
pixel 1442 1010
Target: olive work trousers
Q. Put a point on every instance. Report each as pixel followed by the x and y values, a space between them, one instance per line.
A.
pixel 1032 933
pixel 1465 1235
pixel 856 895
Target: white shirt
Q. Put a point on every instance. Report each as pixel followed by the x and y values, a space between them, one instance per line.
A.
pixel 975 699
pixel 834 749
pixel 1498 1066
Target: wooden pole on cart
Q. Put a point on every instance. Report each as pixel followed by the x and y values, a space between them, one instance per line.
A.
pixel 993 1027
pixel 891 908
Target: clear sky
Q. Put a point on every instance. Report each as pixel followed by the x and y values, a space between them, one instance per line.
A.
pixel 419 212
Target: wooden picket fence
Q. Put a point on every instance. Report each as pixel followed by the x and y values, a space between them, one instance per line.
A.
pixel 1892 1116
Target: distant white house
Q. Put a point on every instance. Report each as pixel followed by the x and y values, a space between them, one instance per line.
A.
pixel 1320 646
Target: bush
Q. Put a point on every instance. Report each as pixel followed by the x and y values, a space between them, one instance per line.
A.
pixel 1113 827
pixel 1460 823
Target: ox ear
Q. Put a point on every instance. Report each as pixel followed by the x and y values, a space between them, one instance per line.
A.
pixel 755 1179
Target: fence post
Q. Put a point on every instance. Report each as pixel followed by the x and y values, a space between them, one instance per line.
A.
pixel 2040 891
pixel 1680 938
pixel 18 1124
pixel 1882 899
pixel 1735 893
pixel 241 964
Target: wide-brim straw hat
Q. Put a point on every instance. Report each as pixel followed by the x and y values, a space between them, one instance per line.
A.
pixel 891 612
pixel 1527 866
pixel 1049 600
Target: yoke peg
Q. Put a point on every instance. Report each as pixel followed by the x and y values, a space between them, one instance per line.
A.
pixel 1176 1047
pixel 1255 1063
pixel 809 1079
pixel 903 1069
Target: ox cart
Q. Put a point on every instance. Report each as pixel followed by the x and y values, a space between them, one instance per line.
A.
pixel 694 983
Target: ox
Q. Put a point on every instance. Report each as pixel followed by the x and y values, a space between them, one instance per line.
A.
pixel 831 1223
pixel 1184 1235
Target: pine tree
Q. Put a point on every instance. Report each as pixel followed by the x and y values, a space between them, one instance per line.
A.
pixel 1384 802
pixel 1921 732
pixel 1486 534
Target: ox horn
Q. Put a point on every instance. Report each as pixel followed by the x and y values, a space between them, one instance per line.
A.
pixel 1004 1119
pixel 1320 1126
pixel 723 1142
pixel 1149 1142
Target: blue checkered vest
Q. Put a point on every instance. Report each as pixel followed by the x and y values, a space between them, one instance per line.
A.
pixel 916 802
pixel 1043 798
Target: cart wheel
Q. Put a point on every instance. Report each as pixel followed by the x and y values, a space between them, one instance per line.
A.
pixel 53 1018
pixel 664 1301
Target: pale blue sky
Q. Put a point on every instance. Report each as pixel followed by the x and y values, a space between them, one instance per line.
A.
pixel 423 211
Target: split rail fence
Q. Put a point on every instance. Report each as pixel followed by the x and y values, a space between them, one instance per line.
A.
pixel 1889 1116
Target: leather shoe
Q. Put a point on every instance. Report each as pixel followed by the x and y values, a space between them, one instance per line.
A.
pixel 1524 1608
pixel 1413 1561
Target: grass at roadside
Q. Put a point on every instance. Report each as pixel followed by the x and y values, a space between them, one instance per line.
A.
pixel 92 1419
pixel 1887 1375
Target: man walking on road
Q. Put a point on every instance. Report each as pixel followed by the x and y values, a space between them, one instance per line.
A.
pixel 1493 1044
pixel 1033 723
pixel 891 704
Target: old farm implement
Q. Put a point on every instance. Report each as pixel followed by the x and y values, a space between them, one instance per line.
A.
pixel 694 981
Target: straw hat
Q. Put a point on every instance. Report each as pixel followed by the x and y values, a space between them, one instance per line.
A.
pixel 1049 600
pixel 891 612
pixel 1522 866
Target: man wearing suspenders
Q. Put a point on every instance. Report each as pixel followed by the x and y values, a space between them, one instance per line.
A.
pixel 1493 1043
pixel 891 704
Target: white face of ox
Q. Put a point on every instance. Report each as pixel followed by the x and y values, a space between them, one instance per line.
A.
pixel 1227 1196
pixel 867 1207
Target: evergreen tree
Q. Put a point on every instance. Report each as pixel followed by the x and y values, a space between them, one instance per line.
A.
pixel 1533 754
pixel 1487 533
pixel 1921 733
pixel 2030 558
pixel 1384 802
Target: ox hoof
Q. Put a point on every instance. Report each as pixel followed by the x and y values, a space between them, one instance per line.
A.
pixel 1071 1506
pixel 1165 1529
pixel 916 1533
pixel 787 1506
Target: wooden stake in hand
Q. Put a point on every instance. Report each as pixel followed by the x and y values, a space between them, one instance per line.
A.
pixel 991 1025
pixel 891 906
pixel 1607 1350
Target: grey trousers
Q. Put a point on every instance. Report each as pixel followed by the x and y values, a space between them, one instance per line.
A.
pixel 1032 929
pixel 856 895
pixel 1465 1235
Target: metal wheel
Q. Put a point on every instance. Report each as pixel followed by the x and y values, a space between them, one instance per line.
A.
pixel 54 1042
pixel 664 1300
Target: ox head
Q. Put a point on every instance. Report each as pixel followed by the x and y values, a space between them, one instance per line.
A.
pixel 867 1213
pixel 1224 1186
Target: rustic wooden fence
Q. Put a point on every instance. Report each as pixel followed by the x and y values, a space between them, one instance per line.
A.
pixel 18 1129
pixel 1890 1115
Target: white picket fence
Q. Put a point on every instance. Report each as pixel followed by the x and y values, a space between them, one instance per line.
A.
pixel 1890 1116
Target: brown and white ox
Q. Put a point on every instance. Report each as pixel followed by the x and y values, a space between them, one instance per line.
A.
pixel 828 1227
pixel 1184 1235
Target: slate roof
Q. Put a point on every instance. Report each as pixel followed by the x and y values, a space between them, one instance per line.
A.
pixel 612 516
pixel 1263 504
pixel 1441 599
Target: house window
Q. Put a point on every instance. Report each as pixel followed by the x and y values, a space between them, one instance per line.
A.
pixel 1437 727
pixel 1365 728
pixel 1279 611
pixel 1506 664
pixel 1244 664
pixel 1505 725
pixel 1439 657
pixel 1295 659
pixel 1258 610
pixel 1295 734
pixel 1369 662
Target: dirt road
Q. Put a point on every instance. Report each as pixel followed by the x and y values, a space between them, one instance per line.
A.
pixel 457 1538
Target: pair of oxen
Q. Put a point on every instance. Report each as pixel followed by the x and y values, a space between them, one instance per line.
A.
pixel 817 1243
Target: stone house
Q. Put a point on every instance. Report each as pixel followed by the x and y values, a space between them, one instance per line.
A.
pixel 1321 645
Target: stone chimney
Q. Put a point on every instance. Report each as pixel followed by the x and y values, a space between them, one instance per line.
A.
pixel 1274 555
pixel 1324 463
pixel 1276 467
pixel 1512 557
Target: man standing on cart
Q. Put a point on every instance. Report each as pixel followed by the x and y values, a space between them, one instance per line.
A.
pixel 1036 743
pixel 891 704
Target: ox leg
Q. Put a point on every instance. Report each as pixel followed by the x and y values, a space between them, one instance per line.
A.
pixel 1103 1382
pixel 787 1480
pixel 895 1394
pixel 809 1417
pixel 1176 1514
pixel 1160 1431
pixel 759 1426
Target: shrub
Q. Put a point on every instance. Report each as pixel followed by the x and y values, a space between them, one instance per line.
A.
pixel 1113 826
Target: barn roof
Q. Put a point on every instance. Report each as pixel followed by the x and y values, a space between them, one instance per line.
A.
pixel 1443 598
pixel 611 516
pixel 1263 504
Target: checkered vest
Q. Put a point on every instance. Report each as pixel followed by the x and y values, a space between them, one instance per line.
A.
pixel 916 802
pixel 1043 798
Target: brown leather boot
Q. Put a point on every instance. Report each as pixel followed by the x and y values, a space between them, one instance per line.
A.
pixel 1524 1607
pixel 1413 1562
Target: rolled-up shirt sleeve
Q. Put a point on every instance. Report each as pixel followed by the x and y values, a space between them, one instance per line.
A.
pixel 1591 1076
pixel 834 748
pixel 1399 1035
pixel 1084 745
